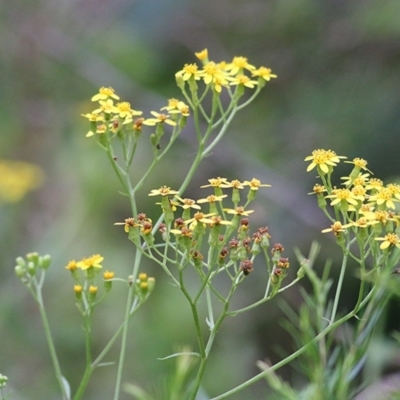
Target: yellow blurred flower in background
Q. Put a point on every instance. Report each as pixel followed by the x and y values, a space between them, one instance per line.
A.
pixel 17 178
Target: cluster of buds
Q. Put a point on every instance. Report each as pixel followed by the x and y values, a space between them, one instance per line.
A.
pixel 280 265
pixel 144 285
pixel 27 267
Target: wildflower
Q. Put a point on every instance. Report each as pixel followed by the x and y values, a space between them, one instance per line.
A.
pixel 104 94
pixel 159 119
pixel 238 64
pixel 17 178
pixel 318 189
pixel 264 73
pixel 344 197
pixel 240 211
pixel 163 191
pixel 93 117
pixel 359 163
pixel 78 289
pixel 243 80
pixel 129 223
pixel 189 71
pixel 212 199
pixel 391 239
pixel 374 184
pixel 384 197
pixel 324 160
pixel 72 266
pixel 217 182
pixel 199 217
pixel 255 184
pixel 90 262
pixel 336 228
pixel 202 55
pixel 107 107
pixel 188 203
pixel 107 275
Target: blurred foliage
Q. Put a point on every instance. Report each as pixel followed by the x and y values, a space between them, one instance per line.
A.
pixel 338 67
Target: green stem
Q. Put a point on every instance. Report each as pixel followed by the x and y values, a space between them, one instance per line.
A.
pixel 126 326
pixel 50 343
pixel 340 284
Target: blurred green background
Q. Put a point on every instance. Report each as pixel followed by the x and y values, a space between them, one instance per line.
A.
pixel 338 87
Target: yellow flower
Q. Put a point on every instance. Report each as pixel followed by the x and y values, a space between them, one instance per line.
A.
pixel 17 178
pixel 93 261
pixel 107 275
pixel 104 94
pixel 202 55
pixel 238 64
pixel 92 289
pixel 71 265
pixel 391 239
pixel 217 182
pixel 244 80
pixel 78 289
pixel 360 163
pixel 238 211
pixel 129 223
pixel 189 71
pixel 318 189
pixel 264 73
pixel 124 110
pixel 92 117
pixel 323 159
pixel 255 184
pixel 163 191
pixel 384 197
pixel 336 228
pixel 159 119
pixel 345 195
pixel 188 203
pixel 107 107
pixel 212 199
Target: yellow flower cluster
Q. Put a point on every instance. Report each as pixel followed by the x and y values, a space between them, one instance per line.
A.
pixel 114 117
pixel 366 204
pixel 17 178
pixel 238 72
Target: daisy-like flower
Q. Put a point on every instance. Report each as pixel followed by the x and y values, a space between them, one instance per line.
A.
pixel 199 217
pixel 374 184
pixel 163 191
pixel 361 179
pixel 129 223
pixel 243 80
pixel 217 220
pixel 107 107
pixel 92 117
pixel 238 64
pixel 219 82
pixel 238 211
pixel 125 110
pixel 336 228
pixel 189 71
pixel 384 197
pixel 104 94
pixel 318 189
pixel 359 163
pixel 323 160
pixel 395 189
pixel 254 184
pixel 363 222
pixel 217 182
pixel 159 119
pixel 264 73
pixel 211 199
pixel 188 203
pixel 391 239
pixel 90 262
pixel 344 196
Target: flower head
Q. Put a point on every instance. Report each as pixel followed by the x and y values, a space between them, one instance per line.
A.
pixel 264 73
pixel 90 262
pixel 324 160
pixel 104 94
